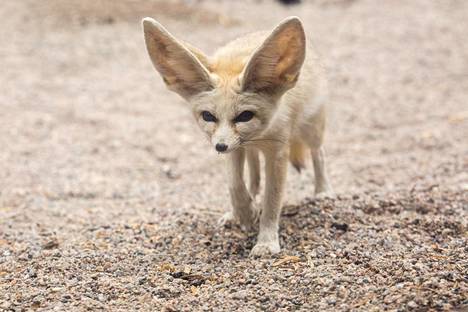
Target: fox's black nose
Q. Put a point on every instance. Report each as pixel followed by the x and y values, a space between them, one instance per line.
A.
pixel 221 147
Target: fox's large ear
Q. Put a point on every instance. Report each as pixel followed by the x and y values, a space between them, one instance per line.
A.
pixel 275 65
pixel 180 69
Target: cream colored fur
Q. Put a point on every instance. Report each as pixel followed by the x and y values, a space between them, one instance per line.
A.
pixel 277 77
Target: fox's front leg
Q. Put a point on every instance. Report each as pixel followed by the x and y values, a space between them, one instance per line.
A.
pixel 243 208
pixel 276 163
pixel 254 172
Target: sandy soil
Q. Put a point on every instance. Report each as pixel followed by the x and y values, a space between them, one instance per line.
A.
pixel 109 194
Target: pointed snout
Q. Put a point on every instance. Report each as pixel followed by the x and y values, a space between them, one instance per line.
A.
pixel 224 139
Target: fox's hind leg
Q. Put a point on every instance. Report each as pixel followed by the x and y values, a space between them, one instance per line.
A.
pixel 254 172
pixel 322 185
pixel 313 133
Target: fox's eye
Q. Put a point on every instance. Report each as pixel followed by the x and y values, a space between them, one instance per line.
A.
pixel 207 116
pixel 244 116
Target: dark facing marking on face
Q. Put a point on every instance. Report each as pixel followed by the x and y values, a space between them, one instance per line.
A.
pixel 245 116
pixel 208 117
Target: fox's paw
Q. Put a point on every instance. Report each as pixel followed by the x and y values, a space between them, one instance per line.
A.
pixel 227 219
pixel 264 249
pixel 325 194
pixel 323 189
pixel 249 215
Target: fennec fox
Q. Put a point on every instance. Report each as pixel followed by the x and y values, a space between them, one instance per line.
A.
pixel 259 93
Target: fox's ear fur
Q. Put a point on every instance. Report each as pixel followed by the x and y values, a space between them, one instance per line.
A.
pixel 180 69
pixel 274 67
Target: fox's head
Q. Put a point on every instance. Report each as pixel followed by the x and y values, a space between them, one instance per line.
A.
pixel 233 95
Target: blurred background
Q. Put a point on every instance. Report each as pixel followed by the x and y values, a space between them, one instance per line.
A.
pixel 89 134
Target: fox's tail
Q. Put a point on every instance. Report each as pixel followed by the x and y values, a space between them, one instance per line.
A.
pixel 298 152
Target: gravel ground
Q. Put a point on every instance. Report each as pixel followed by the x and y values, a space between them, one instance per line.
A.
pixel 109 194
pixel 403 251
